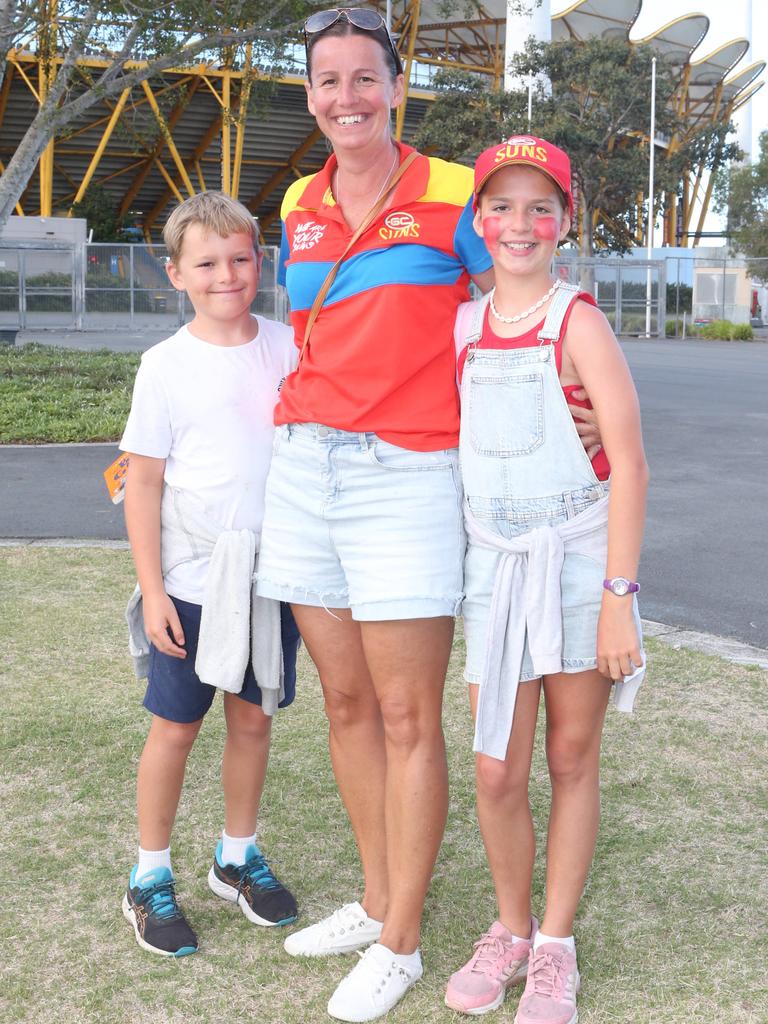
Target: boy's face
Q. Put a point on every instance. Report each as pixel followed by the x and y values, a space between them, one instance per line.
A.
pixel 521 218
pixel 220 275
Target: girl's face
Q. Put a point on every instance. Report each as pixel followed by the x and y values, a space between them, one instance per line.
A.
pixel 352 92
pixel 521 219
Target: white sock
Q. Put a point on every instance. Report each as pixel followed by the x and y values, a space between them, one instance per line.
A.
pixel 541 938
pixel 411 961
pixel 233 848
pixel 151 859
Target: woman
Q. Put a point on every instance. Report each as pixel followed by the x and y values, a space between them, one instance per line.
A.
pixel 363 530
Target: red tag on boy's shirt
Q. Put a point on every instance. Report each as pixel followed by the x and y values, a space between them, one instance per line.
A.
pixel 114 478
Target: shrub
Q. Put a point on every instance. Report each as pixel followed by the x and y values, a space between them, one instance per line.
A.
pixel 674 328
pixel 743 332
pixel 718 330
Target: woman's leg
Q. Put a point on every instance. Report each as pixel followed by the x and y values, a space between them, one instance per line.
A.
pixel 244 763
pixel 356 738
pixel 504 812
pixel 408 660
pixel 576 705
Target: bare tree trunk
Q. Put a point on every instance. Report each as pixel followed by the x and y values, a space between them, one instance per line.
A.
pixel 586 250
pixel 23 162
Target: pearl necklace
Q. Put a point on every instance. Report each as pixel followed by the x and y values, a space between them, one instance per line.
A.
pixel 383 184
pixel 527 313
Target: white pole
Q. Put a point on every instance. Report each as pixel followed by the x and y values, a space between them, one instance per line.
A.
pixel 389 15
pixel 651 218
pixel 530 100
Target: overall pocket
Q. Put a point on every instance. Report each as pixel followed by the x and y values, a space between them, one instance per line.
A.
pixel 506 414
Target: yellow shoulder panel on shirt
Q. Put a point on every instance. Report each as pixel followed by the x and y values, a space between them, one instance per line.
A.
pixel 448 183
pixel 293 194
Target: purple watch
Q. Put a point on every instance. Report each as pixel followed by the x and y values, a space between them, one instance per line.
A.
pixel 620 586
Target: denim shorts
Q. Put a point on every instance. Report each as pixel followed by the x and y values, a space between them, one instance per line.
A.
pixel 174 690
pixel 352 521
pixel 581 586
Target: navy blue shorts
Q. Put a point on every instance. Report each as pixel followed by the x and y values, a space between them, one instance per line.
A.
pixel 174 690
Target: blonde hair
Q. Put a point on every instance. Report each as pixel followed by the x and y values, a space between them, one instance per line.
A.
pixel 214 212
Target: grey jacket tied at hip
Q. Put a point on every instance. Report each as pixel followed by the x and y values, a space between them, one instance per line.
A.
pixel 236 625
pixel 528 577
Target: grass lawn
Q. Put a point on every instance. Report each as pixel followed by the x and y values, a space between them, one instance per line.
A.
pixel 671 928
pixel 57 394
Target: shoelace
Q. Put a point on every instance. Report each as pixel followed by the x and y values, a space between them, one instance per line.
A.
pixel 489 948
pixel 344 920
pixel 384 971
pixel 258 873
pixel 161 900
pixel 549 975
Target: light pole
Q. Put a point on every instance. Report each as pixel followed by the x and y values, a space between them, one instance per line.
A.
pixel 651 218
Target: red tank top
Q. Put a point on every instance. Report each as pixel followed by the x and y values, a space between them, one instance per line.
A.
pixel 490 339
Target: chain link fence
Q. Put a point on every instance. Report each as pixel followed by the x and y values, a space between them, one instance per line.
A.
pixel 107 286
pixel 125 287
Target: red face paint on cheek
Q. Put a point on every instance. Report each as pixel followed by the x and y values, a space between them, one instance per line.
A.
pixel 491 232
pixel 546 229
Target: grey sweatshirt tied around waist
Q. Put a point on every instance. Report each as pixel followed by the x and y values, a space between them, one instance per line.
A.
pixel 236 624
pixel 526 599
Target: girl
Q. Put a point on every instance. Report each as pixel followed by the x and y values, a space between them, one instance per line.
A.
pixel 549 570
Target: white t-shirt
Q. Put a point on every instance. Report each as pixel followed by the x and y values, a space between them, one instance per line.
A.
pixel 207 410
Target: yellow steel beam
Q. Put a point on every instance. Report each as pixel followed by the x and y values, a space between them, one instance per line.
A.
pixel 133 105
pixel 30 85
pixel 283 172
pixel 166 132
pixel 96 158
pixel 46 73
pixel 18 208
pixel 242 114
pixel 141 177
pixel 157 209
pixel 413 28
pixel 69 197
pixel 200 178
pixel 226 136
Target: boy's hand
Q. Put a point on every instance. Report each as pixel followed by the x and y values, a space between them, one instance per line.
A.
pixel 162 625
pixel 587 429
pixel 618 647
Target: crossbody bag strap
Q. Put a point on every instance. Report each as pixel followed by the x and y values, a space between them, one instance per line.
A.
pixel 369 218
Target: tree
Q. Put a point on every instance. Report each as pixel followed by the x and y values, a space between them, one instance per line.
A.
pixel 597 109
pixel 99 211
pixel 745 197
pixel 136 40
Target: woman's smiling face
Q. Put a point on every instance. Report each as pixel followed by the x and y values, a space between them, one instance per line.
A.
pixel 352 92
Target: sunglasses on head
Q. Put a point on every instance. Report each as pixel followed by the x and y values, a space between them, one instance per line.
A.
pixel 360 17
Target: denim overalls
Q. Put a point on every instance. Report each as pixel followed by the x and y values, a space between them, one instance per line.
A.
pixel 536 518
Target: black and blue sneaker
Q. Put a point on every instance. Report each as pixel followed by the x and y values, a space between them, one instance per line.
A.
pixel 252 886
pixel 150 906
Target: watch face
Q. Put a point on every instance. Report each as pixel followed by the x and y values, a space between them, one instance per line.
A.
pixel 620 586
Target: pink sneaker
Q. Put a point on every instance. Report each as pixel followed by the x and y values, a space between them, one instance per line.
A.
pixel 497 963
pixel 550 991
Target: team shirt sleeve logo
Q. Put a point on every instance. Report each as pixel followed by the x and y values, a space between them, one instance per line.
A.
pixel 307 235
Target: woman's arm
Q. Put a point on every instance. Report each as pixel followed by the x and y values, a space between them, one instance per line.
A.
pixel 143 494
pixel 592 356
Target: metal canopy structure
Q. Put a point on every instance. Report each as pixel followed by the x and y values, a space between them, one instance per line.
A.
pixel 201 127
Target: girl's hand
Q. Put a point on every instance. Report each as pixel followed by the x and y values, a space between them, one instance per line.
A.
pixel 618 646
pixel 162 625
pixel 585 421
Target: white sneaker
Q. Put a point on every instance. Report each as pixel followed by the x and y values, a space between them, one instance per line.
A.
pixel 376 984
pixel 347 929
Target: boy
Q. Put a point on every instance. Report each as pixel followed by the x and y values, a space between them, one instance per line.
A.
pixel 199 436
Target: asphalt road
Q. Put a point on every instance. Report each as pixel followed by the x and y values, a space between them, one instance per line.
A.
pixel 705 420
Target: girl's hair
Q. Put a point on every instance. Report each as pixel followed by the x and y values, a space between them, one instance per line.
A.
pixel 213 211
pixel 343 28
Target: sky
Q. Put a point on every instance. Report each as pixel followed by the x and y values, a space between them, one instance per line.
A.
pixel 724 26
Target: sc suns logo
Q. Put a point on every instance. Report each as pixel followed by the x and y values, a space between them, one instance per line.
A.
pixel 399 225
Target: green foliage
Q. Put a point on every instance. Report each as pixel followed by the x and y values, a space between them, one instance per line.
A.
pixel 725 330
pixel 598 107
pixel 744 193
pixel 679 297
pixel 98 209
